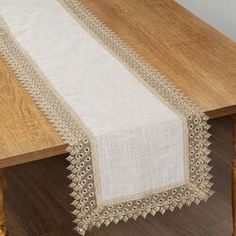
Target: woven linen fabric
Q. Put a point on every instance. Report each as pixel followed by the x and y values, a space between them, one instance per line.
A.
pixel 128 144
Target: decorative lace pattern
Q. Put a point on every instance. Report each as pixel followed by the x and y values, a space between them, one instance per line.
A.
pixel 87 211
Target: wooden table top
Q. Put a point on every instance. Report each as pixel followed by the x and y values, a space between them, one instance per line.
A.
pixel 193 55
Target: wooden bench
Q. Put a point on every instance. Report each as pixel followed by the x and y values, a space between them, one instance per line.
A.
pixel 193 55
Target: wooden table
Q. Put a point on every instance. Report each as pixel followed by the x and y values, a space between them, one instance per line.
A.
pixel 193 55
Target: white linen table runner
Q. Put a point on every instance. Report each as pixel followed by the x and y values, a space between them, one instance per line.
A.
pixel 136 144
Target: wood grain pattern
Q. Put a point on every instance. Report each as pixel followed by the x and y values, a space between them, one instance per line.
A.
pixel 25 134
pixel 194 56
pixel 234 176
pixel 2 208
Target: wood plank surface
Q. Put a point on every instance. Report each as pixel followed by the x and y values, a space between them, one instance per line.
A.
pixel 193 55
pixel 234 176
pixel 25 134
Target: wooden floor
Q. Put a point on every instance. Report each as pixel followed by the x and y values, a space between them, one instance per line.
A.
pixel 37 201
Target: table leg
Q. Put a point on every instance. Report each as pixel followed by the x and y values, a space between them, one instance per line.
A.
pixel 2 212
pixel 234 177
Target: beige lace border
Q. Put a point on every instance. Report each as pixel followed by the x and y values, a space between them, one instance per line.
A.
pixel 88 211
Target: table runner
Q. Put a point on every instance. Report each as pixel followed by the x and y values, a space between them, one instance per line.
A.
pixel 137 144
